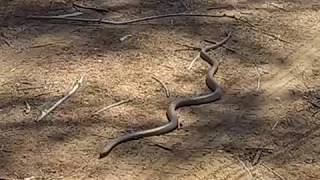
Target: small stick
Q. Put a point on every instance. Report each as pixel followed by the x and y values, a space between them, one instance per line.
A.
pixel 224 46
pixel 275 125
pixel 161 146
pixel 112 105
pixel 42 94
pixel 219 44
pixel 188 48
pixel 29 88
pixel 246 168
pixel 163 85
pixel 76 86
pixel 125 37
pixel 277 6
pixel 228 48
pixel 274 172
pixel 4 39
pixel 259 76
pixel 270 35
pixel 193 61
pixel 41 45
pixel 7 43
pixel 28 107
pixel 257 157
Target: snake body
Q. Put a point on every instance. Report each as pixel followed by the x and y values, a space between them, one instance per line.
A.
pixel 172 116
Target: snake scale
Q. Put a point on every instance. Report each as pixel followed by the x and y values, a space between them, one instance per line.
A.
pixel 172 116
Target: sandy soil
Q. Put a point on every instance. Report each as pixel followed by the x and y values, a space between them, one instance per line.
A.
pixel 265 127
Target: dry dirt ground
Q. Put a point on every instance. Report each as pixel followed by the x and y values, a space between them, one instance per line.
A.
pixel 265 127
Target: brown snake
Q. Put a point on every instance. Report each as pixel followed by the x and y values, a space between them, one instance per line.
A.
pixel 214 95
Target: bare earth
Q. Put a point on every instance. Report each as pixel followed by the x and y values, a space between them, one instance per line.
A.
pixel 265 127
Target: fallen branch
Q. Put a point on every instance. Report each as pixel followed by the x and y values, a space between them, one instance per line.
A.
pixel 163 85
pixel 45 112
pixel 103 21
pixel 112 105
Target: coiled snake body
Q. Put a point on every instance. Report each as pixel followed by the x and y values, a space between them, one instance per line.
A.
pixel 214 95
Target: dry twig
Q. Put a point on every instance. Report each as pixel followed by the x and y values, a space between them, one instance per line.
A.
pixel 257 157
pixel 270 35
pixel 41 45
pixel 258 74
pixel 76 86
pixel 274 172
pixel 193 61
pixel 125 37
pixel 28 107
pixel 224 46
pixel 29 88
pixel 275 125
pixel 216 46
pixel 160 146
pixel 163 85
pixel 112 105
pixel 246 168
pixel 278 6
pixel 188 48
